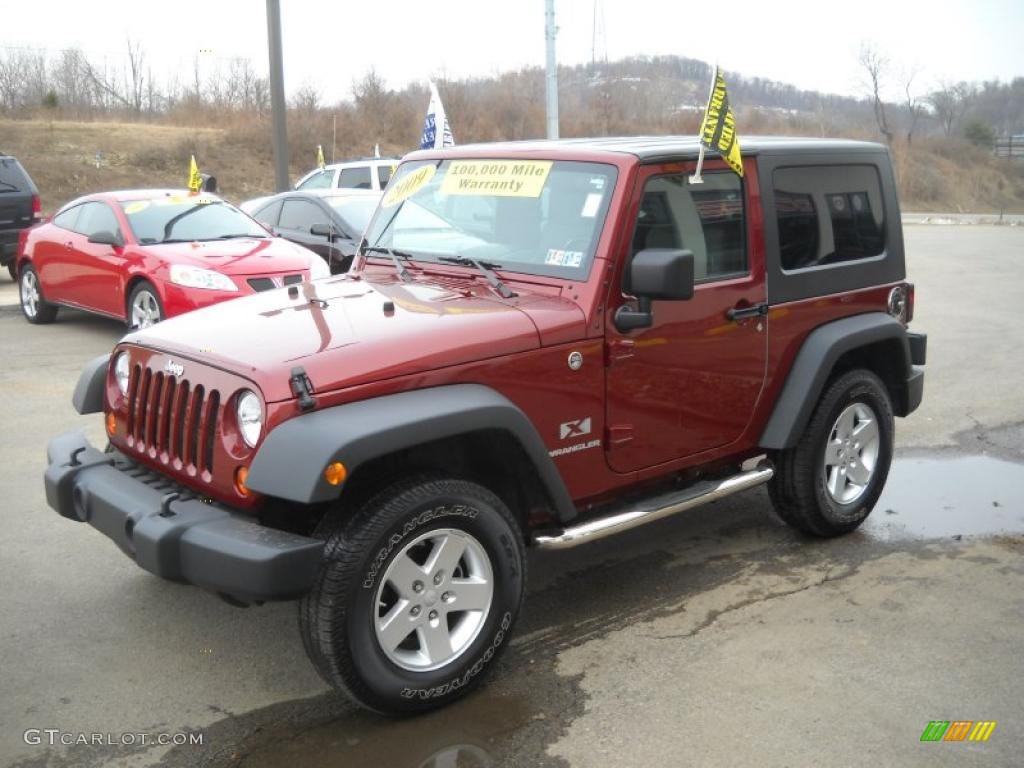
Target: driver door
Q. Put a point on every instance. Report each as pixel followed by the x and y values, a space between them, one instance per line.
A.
pixel 689 383
pixel 93 271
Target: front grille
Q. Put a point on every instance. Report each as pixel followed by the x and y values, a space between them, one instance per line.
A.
pixel 171 420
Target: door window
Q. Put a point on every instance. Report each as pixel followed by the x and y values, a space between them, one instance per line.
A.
pixel 355 178
pixel 384 174
pixel 301 215
pixel 96 217
pixel 707 219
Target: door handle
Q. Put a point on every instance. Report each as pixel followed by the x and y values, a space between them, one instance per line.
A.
pixel 743 313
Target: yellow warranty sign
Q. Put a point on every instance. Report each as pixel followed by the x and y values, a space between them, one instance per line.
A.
pixel 408 185
pixel 502 178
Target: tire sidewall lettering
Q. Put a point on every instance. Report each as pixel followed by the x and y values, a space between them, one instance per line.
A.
pixel 423 518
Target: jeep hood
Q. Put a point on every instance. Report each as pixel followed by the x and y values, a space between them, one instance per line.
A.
pixel 352 330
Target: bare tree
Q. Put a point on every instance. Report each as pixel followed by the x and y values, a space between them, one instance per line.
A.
pixel 949 102
pixel 876 67
pixel 914 104
pixel 136 76
pixel 13 70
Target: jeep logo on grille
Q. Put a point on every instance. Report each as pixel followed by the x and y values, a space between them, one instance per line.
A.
pixel 173 368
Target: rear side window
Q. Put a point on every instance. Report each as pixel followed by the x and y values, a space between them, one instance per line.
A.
pixel 355 178
pixel 319 180
pixel 706 219
pixel 828 215
pixel 66 219
pixel 267 215
pixel 12 177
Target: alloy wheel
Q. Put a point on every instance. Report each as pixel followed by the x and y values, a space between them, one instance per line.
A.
pixel 851 453
pixel 433 600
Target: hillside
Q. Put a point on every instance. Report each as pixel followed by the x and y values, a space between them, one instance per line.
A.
pixel 57 129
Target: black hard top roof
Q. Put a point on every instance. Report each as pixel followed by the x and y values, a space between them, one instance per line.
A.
pixel 655 147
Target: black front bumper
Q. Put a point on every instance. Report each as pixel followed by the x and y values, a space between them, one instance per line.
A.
pixel 170 532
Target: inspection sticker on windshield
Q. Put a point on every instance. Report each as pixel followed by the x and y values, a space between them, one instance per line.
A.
pixel 557 258
pixel 502 178
pixel 408 186
pixel 591 204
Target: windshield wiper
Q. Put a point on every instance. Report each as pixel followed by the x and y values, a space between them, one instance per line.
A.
pixel 237 235
pixel 396 257
pixel 487 269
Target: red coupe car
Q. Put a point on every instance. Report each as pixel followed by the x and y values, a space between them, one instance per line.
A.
pixel 146 255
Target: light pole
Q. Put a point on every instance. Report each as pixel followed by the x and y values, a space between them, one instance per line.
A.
pixel 551 81
pixel 277 102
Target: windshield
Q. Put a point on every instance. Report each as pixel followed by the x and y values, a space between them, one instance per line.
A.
pixel 187 218
pixel 354 210
pixel 538 216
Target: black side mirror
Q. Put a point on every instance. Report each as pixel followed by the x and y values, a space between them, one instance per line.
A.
pixel 209 183
pixel 104 237
pixel 322 230
pixel 655 273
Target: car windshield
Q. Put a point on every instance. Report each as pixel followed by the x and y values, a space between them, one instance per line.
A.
pixel 184 218
pixel 354 210
pixel 537 216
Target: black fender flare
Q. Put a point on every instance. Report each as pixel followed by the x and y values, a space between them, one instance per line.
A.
pixel 291 460
pixel 813 365
pixel 88 394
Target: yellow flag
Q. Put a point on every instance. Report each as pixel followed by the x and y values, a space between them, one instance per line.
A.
pixel 195 181
pixel 320 157
pixel 718 129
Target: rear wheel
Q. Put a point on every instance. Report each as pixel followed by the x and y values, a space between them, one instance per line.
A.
pixel 33 305
pixel 829 482
pixel 416 595
pixel 144 307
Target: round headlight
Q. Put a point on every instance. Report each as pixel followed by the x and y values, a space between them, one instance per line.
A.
pixel 250 416
pixel 121 370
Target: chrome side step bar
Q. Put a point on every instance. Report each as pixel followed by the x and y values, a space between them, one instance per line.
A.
pixel 654 509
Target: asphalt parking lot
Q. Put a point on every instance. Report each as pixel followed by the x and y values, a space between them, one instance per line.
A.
pixel 715 638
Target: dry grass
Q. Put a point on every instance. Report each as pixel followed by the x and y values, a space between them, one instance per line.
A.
pixel 946 175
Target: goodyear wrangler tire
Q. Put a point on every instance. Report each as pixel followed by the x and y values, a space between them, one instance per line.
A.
pixel 828 483
pixel 416 595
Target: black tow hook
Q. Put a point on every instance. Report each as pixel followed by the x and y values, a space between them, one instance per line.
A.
pixel 302 388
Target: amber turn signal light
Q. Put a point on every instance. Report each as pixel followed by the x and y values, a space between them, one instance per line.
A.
pixel 241 474
pixel 111 424
pixel 335 473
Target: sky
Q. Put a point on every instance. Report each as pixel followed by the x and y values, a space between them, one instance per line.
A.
pixel 330 43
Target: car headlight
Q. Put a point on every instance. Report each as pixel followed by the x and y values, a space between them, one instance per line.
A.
pixel 250 416
pixel 197 277
pixel 318 268
pixel 122 367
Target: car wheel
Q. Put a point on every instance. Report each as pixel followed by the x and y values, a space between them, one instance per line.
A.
pixel 33 305
pixel 144 307
pixel 416 595
pixel 829 482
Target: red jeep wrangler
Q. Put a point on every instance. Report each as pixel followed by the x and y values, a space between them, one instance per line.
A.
pixel 539 344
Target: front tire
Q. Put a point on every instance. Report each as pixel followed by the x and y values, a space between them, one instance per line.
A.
pixel 144 307
pixel 829 482
pixel 35 308
pixel 416 595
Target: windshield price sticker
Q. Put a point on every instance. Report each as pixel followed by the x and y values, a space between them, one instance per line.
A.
pixel 522 178
pixel 136 206
pixel 408 185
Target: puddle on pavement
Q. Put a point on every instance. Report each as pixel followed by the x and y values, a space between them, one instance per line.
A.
pixel 472 734
pixel 941 497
